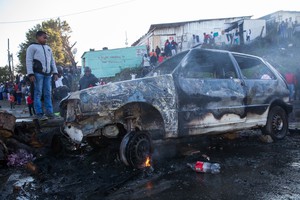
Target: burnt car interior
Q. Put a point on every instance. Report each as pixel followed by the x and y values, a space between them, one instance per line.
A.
pixel 207 65
pixel 169 65
pixel 253 68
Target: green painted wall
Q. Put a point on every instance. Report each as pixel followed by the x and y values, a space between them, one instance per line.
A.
pixel 106 63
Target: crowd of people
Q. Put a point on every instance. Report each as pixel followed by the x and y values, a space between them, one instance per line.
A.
pixel 285 29
pixel 15 92
pixel 44 81
pixel 21 90
pixel 156 56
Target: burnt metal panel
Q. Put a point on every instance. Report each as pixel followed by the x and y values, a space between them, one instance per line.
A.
pixel 106 99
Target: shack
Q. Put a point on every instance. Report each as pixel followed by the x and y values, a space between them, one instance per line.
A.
pixel 189 34
pixel 106 63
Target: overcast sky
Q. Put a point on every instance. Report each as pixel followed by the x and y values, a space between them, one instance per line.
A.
pixel 104 23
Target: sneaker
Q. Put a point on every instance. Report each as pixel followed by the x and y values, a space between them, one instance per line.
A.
pixel 41 117
pixel 50 116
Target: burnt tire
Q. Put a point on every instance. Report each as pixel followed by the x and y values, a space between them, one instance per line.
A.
pixel 277 123
pixel 135 147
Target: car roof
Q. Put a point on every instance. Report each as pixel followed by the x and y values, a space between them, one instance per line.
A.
pixel 167 69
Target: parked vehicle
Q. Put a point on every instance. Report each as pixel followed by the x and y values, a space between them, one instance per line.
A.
pixel 196 92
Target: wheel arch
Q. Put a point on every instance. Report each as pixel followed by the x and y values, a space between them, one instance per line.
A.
pixel 286 107
pixel 143 117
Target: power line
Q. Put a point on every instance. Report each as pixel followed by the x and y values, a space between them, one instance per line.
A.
pixel 71 14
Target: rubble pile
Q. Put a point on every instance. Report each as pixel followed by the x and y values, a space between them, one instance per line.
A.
pixel 21 142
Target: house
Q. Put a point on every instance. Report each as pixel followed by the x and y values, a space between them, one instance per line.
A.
pixel 107 63
pixel 191 33
pixel 274 21
pixel 281 15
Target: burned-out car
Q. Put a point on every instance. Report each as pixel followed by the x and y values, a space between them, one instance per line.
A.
pixel 196 92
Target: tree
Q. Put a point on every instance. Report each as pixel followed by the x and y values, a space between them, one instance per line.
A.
pixel 4 74
pixel 58 39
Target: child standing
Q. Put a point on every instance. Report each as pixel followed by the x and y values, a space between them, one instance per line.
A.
pixel 29 101
pixel 12 100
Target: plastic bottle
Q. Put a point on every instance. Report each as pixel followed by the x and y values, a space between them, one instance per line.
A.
pixel 205 167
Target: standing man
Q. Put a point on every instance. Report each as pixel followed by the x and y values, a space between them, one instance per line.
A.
pixel 297 85
pixel 88 80
pixel 40 66
pixel 174 47
pixel 248 35
pixel 291 81
pixel 146 64
pixel 60 88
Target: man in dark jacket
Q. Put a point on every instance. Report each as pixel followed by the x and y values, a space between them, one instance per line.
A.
pixel 40 66
pixel 60 88
pixel 88 79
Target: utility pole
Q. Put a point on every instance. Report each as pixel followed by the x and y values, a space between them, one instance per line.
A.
pixel 126 39
pixel 12 66
pixel 9 65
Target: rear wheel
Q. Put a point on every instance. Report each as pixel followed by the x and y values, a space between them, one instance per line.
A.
pixel 135 147
pixel 277 123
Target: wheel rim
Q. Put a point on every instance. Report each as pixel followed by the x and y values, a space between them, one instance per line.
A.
pixel 139 150
pixel 277 123
pixel 135 148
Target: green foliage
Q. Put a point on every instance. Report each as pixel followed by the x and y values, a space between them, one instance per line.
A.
pixel 4 74
pixel 58 39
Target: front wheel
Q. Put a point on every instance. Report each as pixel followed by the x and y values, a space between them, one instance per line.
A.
pixel 135 147
pixel 277 123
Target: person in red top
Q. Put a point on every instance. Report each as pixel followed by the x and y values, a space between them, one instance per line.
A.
pixel 152 53
pixel 291 81
pixel 12 100
pixel 297 85
pixel 29 101
pixel 161 58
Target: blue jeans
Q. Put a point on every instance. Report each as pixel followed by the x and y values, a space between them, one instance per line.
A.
pixel 42 86
pixel 292 91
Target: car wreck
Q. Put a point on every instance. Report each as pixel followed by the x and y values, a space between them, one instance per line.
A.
pixel 196 92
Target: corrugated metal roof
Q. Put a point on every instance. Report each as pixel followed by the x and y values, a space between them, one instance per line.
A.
pixel 177 24
pixel 277 12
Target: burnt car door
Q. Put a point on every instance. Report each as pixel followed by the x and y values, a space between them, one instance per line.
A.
pixel 261 85
pixel 210 93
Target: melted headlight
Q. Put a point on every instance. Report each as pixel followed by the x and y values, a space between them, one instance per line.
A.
pixel 74 133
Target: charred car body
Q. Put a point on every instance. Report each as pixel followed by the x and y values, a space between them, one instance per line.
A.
pixel 199 91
